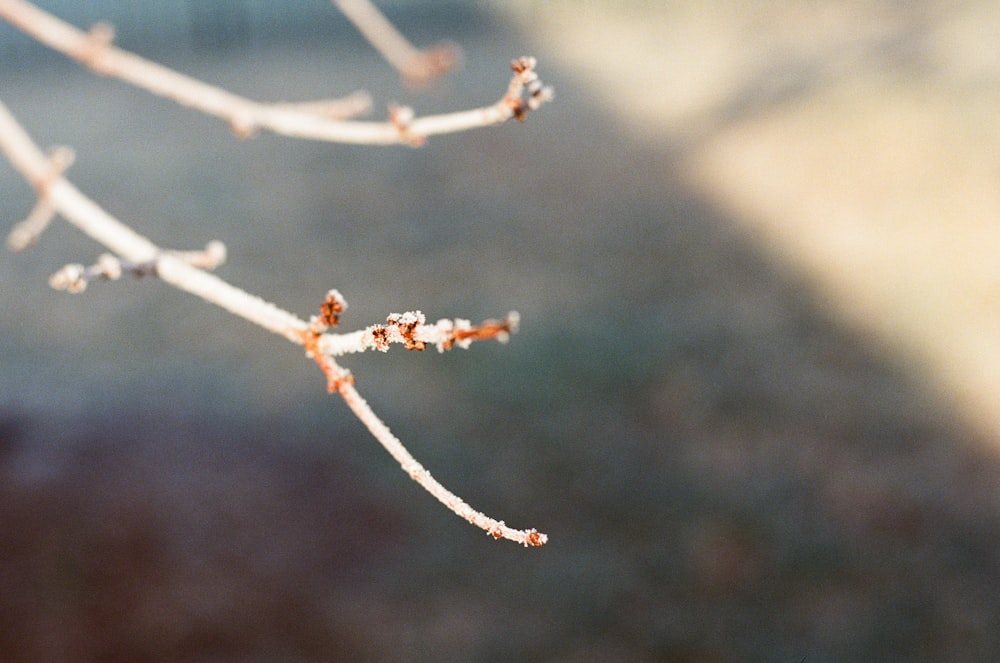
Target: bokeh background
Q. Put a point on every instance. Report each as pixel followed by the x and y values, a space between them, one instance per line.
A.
pixel 754 400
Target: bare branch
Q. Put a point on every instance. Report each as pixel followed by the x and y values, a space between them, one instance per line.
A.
pixel 94 50
pixel 415 66
pixel 74 277
pixel 180 270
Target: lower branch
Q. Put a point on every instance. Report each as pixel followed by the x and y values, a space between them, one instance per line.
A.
pixel 180 270
pixel 495 528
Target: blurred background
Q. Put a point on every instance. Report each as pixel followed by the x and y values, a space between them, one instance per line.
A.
pixel 755 400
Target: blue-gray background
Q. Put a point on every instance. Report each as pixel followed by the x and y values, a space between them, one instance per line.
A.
pixel 677 413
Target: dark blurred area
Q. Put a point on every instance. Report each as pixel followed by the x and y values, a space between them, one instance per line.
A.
pixel 726 471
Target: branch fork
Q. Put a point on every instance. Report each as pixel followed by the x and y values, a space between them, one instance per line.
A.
pixel 97 41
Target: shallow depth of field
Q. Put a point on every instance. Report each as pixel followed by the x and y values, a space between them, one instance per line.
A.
pixel 753 401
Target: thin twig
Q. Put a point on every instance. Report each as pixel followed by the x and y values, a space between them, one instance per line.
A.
pixel 178 270
pixel 75 277
pixel 94 50
pixel 27 232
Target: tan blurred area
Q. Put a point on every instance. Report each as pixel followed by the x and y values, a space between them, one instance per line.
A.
pixel 859 142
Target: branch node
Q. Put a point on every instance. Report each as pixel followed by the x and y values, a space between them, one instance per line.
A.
pixel 58 160
pixel 416 471
pixel 535 538
pixel 109 267
pixel 337 378
pixel 213 255
pixel 401 117
pixel 406 324
pixel 380 338
pixel 243 125
pixel 61 157
pixel 331 308
pixel 340 382
pixel 96 43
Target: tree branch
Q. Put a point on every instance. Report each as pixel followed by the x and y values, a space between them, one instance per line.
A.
pixel 94 50
pixel 179 270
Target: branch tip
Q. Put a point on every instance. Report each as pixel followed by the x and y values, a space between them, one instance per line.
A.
pixel 69 278
pixel 526 78
pixel 213 255
pixel 463 333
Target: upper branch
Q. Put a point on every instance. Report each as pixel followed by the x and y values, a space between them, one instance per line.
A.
pixel 414 65
pixel 94 49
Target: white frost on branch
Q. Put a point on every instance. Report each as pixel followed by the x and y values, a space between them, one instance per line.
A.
pixel 411 330
pixel 134 254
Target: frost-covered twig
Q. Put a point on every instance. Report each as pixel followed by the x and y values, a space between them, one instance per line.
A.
pixel 408 329
pixel 181 270
pixel 94 49
pixel 75 277
pixel 411 330
pixel 414 65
